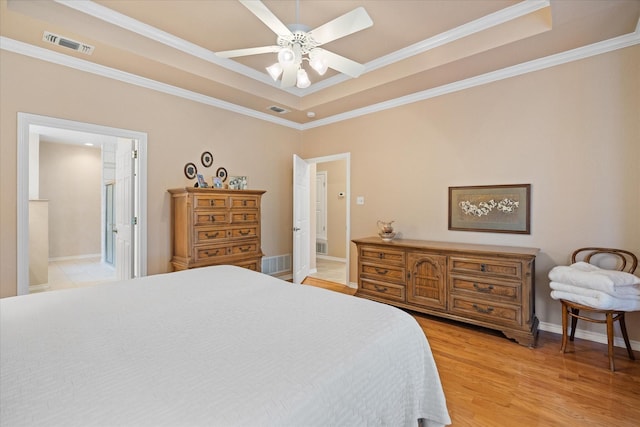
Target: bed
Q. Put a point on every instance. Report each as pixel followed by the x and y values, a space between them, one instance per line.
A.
pixel 213 346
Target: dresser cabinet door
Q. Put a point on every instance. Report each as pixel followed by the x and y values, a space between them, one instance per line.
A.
pixel 426 284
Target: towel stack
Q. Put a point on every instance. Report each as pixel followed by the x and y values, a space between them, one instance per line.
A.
pixel 587 284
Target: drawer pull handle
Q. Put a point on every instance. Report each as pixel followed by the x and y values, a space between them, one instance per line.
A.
pixel 244 233
pixel 381 255
pixel 245 249
pixel 483 267
pixel 207 253
pixel 380 288
pixel 380 271
pixel 244 203
pixel 481 289
pixel 209 236
pixel 212 202
pixel 212 218
pixel 483 310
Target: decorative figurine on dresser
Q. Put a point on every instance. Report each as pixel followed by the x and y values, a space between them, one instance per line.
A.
pixel 213 226
pixel 489 286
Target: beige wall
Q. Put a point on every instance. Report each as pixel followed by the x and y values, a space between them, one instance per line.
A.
pixel 70 178
pixel 178 132
pixel 571 131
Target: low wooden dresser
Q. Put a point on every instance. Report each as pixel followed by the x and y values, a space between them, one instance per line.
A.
pixel 489 286
pixel 214 226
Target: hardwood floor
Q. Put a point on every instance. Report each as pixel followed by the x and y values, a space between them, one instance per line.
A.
pixel 489 380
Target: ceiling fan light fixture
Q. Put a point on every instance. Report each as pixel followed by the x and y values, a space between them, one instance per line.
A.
pixel 286 56
pixel 275 70
pixel 303 79
pixel 318 62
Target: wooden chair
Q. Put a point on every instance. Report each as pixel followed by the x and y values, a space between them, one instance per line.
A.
pixel 626 261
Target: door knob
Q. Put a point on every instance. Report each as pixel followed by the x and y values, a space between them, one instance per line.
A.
pixel 296 229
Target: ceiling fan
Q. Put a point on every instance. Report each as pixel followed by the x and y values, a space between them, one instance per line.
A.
pixel 297 43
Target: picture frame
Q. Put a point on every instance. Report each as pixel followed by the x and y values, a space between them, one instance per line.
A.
pixel 491 208
pixel 202 183
pixel 207 159
pixel 222 174
pixel 190 170
pixel 238 183
pixel 217 182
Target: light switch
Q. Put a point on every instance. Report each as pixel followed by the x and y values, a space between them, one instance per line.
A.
pixel 360 200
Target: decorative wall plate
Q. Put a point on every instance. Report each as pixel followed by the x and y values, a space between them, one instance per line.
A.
pixel 190 170
pixel 207 159
pixel 222 174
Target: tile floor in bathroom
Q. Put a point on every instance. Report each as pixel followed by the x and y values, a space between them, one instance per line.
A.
pixel 66 274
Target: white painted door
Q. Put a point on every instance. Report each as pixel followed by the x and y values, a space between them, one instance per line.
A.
pixel 321 205
pixel 301 219
pixel 124 208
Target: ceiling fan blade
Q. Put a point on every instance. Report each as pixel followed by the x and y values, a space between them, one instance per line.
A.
pixel 342 64
pixel 265 15
pixel 248 51
pixel 289 76
pixel 349 23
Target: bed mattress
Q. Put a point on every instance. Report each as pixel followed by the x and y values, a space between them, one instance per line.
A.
pixel 213 346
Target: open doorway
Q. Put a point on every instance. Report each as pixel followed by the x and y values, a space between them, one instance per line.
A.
pixel 326 244
pixel 28 126
pixel 330 208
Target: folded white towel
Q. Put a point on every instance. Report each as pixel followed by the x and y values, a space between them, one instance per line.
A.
pixel 599 300
pixel 592 277
pixel 625 292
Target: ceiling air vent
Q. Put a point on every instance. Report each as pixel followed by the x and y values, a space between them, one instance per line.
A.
pixel 68 43
pixel 278 110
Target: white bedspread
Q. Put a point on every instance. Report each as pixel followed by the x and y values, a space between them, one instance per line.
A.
pixel 215 346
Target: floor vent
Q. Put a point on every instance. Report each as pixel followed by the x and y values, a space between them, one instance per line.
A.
pixel 321 247
pixel 68 43
pixel 276 264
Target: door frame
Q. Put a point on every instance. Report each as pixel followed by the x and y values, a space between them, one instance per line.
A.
pixel 347 158
pixel 25 120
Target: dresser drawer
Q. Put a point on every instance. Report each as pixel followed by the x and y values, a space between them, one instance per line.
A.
pixel 382 272
pixel 210 235
pixel 483 288
pixel 211 252
pixel 493 312
pixel 487 266
pixel 243 232
pixel 208 201
pixel 382 290
pixel 382 255
pixel 210 217
pixel 245 248
pixel 244 202
pixel 244 216
pixel 251 264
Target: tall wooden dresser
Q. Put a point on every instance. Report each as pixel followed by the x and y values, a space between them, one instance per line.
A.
pixel 489 286
pixel 215 226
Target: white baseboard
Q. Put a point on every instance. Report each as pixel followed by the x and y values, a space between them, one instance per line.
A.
pixel 588 335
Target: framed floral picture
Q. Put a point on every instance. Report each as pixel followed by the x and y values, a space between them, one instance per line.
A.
pixel 490 208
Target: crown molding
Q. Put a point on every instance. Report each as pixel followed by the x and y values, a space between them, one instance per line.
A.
pixel 37 52
pixel 130 24
pixel 599 48
pixel 481 24
pixel 577 54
